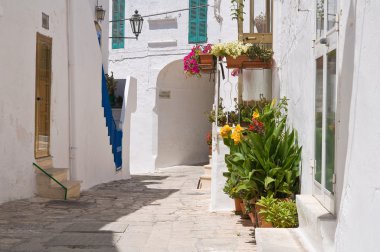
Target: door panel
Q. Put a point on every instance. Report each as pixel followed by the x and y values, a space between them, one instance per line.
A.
pixel 43 89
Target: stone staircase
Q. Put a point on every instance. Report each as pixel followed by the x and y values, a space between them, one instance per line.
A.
pixel 48 188
pixel 205 179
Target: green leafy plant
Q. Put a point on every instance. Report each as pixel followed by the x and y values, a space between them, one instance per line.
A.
pixel 237 7
pixel 259 52
pixel 281 213
pixel 264 159
pixel 222 117
pixel 111 87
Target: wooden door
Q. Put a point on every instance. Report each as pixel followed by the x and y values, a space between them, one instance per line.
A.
pixel 43 93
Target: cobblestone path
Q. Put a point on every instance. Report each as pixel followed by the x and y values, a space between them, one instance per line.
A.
pixel 158 212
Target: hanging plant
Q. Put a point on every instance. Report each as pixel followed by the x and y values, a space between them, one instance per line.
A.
pixel 192 61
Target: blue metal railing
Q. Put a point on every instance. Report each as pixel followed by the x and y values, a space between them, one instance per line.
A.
pixel 115 134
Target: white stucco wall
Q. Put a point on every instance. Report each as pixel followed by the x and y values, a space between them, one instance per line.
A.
pixel 85 129
pixel 91 154
pixel 17 90
pixel 359 220
pixel 160 43
pixel 182 123
pixel 356 195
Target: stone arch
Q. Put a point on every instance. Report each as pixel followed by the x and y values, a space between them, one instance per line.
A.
pixel 181 106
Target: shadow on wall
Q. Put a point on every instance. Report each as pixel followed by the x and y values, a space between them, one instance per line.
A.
pixel 129 107
pixel 181 104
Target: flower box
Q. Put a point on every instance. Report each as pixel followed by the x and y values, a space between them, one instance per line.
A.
pixel 246 62
pixel 206 62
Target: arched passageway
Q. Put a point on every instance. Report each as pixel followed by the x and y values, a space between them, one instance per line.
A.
pixel 182 123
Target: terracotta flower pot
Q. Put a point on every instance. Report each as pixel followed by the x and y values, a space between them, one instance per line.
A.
pixel 242 206
pixel 237 205
pixel 206 62
pixel 252 217
pixel 206 58
pixel 260 218
pixel 246 62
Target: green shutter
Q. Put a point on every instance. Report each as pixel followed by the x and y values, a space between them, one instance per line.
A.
pixel 118 13
pixel 197 22
pixel 202 22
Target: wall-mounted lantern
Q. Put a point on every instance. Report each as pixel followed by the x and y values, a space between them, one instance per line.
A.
pixel 99 13
pixel 136 23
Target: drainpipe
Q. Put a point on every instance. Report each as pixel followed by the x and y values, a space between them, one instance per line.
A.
pixel 70 89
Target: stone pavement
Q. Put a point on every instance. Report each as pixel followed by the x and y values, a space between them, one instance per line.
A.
pixel 158 212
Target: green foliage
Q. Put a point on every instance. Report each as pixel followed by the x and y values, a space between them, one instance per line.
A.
pixel 264 163
pixel 222 118
pixel 111 84
pixel 281 213
pixel 259 52
pixel 237 7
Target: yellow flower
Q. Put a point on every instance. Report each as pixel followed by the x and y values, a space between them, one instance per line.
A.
pixel 225 131
pixel 255 115
pixel 236 137
pixel 238 128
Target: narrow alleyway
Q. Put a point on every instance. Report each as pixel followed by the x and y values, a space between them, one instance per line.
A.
pixel 160 212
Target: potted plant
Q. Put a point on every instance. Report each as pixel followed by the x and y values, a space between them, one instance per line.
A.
pixel 276 213
pixel 221 118
pixel 209 142
pixel 111 87
pixel 240 55
pixel 199 60
pixel 264 158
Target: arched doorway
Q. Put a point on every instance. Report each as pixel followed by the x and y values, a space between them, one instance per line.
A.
pixel 181 105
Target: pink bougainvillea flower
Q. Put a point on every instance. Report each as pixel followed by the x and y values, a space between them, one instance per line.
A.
pixel 235 72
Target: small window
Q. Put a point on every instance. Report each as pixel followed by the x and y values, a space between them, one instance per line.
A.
pixel 197 21
pixel 118 14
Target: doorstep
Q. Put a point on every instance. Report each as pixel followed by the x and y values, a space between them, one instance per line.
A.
pixel 278 240
pixel 316 224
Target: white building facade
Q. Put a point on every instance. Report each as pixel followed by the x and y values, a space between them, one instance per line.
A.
pixel 72 62
pixel 325 65
pixel 168 123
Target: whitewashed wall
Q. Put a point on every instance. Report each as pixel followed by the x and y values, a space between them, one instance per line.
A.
pixel 92 157
pixel 91 154
pixel 357 198
pixel 161 42
pixel 19 23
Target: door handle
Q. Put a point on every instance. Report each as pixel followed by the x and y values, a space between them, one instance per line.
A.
pixel 39 99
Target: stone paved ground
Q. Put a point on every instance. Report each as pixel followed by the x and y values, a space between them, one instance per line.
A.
pixel 160 212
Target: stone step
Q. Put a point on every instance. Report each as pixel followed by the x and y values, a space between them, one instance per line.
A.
pixel 45 163
pixel 316 224
pixel 59 174
pixel 207 170
pixel 278 240
pixel 205 182
pixel 57 192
